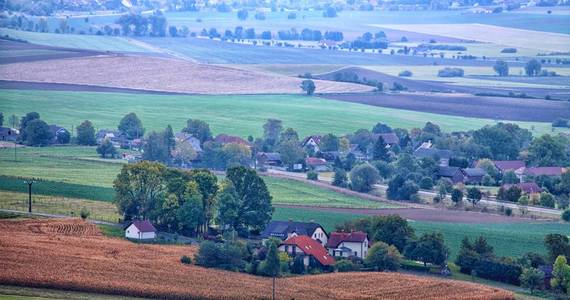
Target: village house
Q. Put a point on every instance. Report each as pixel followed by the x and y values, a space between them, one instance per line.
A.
pixel 454 174
pixel 230 139
pixel 508 165
pixel 311 143
pixel 390 138
pixel 316 164
pixel 347 244
pixel 473 175
pixel 8 134
pixel 182 137
pixel 140 230
pixel 286 229
pixel 358 154
pixel 427 151
pixel 524 173
pixel 269 159
pixel 313 252
pixel 529 188
pixel 58 133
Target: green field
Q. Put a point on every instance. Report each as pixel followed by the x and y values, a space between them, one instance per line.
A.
pixel 91 42
pixel 241 115
pixel 507 239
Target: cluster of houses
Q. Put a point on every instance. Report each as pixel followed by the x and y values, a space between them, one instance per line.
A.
pixel 316 247
pixel 60 135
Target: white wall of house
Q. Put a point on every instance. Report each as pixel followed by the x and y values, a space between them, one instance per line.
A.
pixel 132 232
pixel 357 249
pixel 293 251
pixel 321 235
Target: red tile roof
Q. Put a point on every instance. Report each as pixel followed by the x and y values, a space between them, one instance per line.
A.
pixel 312 248
pixel 144 226
pixel 526 187
pixel 315 161
pixel 336 238
pixel 504 165
pixel 548 171
pixel 229 139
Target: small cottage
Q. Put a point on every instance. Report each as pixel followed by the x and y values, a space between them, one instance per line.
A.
pixel 348 244
pixel 140 230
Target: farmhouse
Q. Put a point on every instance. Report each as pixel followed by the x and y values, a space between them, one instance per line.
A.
pixel 59 133
pixel 286 229
pixel 347 244
pixel 443 156
pixel 140 230
pixel 508 165
pixel 269 159
pixel 452 173
pixel 316 164
pixel 473 175
pixel 9 134
pixel 311 143
pixel 523 173
pixel 182 137
pixel 311 251
pixel 529 188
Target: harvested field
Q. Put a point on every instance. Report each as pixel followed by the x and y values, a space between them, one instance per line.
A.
pixel 15 52
pixel 546 41
pixel 513 109
pixel 162 74
pixel 93 263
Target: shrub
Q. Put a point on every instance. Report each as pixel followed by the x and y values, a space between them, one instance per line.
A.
pixel 509 50
pixel 508 211
pixel 450 72
pixel 405 73
pixel 396 86
pixel 566 215
pixel 546 200
pixel 383 257
pixel 84 213
pixel 186 260
pixel 363 177
pixel 344 265
pixel 312 175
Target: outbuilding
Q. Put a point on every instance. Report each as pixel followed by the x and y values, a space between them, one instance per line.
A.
pixel 140 230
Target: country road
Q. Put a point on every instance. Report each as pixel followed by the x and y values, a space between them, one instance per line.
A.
pixel 554 213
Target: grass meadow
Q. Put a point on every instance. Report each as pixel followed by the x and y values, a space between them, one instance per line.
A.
pixel 241 115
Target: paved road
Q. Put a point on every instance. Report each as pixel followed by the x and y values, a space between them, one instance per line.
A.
pixel 542 210
pixel 55 216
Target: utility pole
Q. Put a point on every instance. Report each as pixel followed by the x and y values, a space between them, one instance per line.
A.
pixel 30 182
pixel 273 298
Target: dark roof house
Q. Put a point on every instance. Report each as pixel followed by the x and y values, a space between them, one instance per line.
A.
pixel 281 229
pixel 269 158
pixel 452 173
pixel 9 134
pixel 506 165
pixel 525 187
pixel 545 171
pixel 473 175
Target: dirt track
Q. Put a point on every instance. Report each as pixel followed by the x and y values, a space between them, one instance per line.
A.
pixel 421 214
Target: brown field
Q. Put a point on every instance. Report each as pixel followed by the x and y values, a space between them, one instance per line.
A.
pixel 73 255
pixel 162 74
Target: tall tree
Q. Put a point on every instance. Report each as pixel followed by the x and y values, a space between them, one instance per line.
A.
pixel 208 188
pixel 155 148
pixel 363 177
pixel 329 142
pixel 139 187
pixel 289 134
pixel 1 119
pixel 199 129
pixel 308 86
pixel 255 208
pixel 380 152
pixel 501 68
pixel 169 139
pixel 131 126
pixel 381 128
pixel 546 151
pixel 86 134
pixel 38 133
pixel 24 124
pixel 474 195
pixel 532 67
pixel 271 132
pixel 106 149
pixel 291 152
pixel 429 248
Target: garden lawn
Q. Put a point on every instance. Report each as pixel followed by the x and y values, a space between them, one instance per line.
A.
pixel 507 239
pixel 241 115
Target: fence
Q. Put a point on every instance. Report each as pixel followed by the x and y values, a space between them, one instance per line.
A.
pixel 98 210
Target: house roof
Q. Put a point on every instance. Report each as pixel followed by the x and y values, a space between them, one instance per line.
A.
pixel 389 138
pixel 270 156
pixel 526 187
pixel 336 238
pixel 9 131
pixel 315 138
pixel 315 161
pixel 433 152
pixel 474 172
pixel 504 165
pixel 281 229
pixel 230 139
pixel 56 128
pixel 448 171
pixel 311 247
pixel 547 171
pixel 143 226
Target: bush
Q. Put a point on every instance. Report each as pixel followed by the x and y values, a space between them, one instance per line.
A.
pixel 383 257
pixel 312 175
pixel 508 211
pixel 509 50
pixel 566 215
pixel 344 265
pixel 84 213
pixel 405 73
pixel 546 200
pixel 450 72
pixel 363 177
pixel 186 260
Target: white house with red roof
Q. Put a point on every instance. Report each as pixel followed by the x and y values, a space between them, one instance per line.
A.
pixel 347 244
pixel 308 248
pixel 140 230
